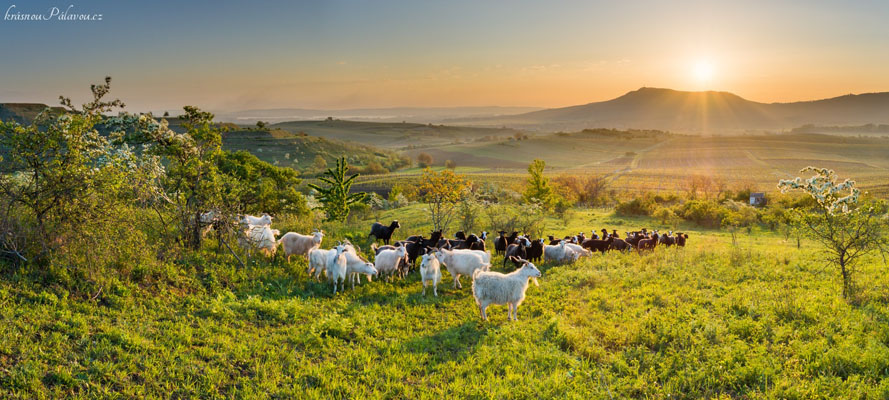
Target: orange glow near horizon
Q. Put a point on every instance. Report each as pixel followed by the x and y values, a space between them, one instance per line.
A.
pixel 329 55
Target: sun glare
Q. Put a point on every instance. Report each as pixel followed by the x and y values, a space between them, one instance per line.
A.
pixel 703 71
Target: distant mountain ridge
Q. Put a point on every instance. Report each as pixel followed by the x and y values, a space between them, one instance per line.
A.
pixel 391 114
pixel 701 112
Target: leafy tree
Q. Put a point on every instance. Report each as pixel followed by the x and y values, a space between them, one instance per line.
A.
pixel 538 189
pixel 193 184
pixel 451 164
pixel 256 186
pixel 846 231
pixel 442 191
pixel 424 160
pixel 261 125
pixel 60 178
pixel 587 190
pixel 335 198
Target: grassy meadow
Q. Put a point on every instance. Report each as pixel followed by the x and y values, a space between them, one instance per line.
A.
pixel 759 319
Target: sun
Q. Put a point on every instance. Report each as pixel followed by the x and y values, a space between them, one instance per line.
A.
pixel 703 71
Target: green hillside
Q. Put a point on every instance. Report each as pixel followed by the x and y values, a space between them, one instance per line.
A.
pixel 298 150
pixel 23 113
pixel 396 135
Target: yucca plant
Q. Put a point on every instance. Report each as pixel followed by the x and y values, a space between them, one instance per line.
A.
pixel 335 198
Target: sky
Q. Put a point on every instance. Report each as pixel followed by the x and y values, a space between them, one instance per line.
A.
pixel 226 55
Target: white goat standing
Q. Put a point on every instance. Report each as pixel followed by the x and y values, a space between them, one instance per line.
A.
pixel 490 287
pixel 296 244
pixel 387 261
pixel 259 237
pixel 336 267
pixel 264 220
pixel 430 270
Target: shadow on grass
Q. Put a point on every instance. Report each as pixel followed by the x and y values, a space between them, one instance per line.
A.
pixel 452 344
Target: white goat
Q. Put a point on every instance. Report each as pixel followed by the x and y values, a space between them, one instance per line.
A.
pixel 581 252
pixel 430 270
pixel 355 266
pixel 486 257
pixel 336 267
pixel 461 263
pixel 264 220
pixel 259 237
pixel 296 244
pixel 559 253
pixel 509 289
pixel 387 261
pixel 318 261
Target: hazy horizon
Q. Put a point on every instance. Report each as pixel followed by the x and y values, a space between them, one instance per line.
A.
pixel 347 55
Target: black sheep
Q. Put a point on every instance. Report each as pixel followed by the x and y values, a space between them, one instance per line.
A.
pixel 595 245
pixel 380 231
pixel 618 244
pixel 460 235
pixel 535 252
pixel 500 242
pixel 519 249
pixel 478 245
pixel 648 244
pixel 680 239
pixel 668 240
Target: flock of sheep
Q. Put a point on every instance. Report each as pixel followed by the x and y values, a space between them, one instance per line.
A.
pixel 462 256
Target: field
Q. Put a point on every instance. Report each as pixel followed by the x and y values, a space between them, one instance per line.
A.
pixel 638 162
pixel 762 319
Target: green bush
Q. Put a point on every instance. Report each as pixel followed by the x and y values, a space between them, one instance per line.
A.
pixel 706 213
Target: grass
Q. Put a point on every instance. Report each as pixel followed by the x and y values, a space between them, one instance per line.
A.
pixel 760 320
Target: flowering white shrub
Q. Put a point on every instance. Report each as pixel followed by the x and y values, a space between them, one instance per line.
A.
pixel 845 231
pixel 833 197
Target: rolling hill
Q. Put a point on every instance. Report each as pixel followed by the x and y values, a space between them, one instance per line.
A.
pixel 299 150
pixel 391 114
pixel 23 113
pixel 276 146
pixel 699 112
pixel 396 135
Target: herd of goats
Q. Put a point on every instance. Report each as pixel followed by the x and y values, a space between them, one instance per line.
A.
pixel 465 255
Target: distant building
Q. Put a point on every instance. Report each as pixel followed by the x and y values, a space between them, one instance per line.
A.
pixel 757 199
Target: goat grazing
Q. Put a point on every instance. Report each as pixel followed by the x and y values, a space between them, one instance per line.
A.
pixel 461 263
pixel 559 253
